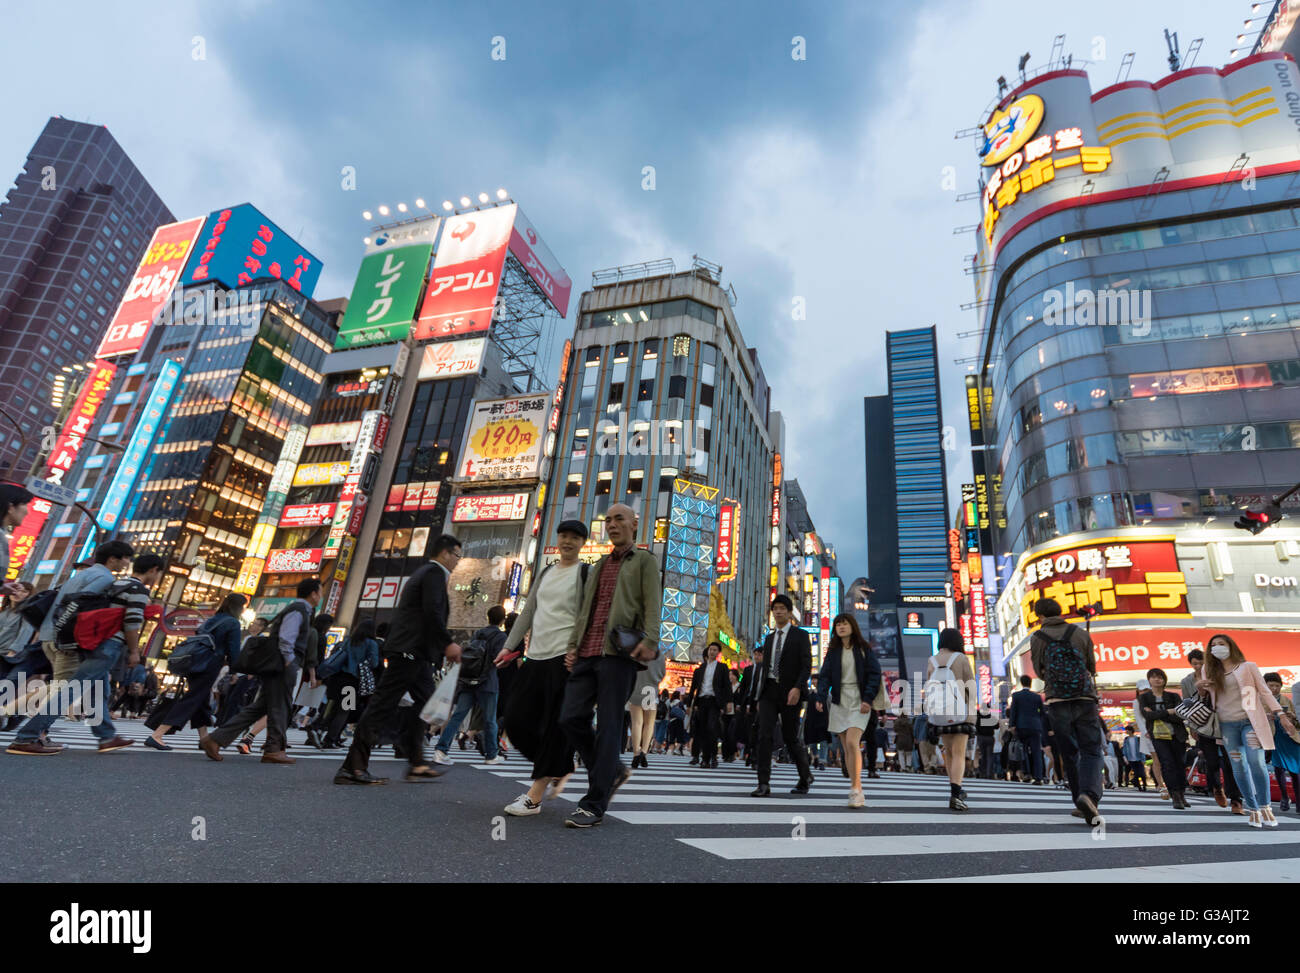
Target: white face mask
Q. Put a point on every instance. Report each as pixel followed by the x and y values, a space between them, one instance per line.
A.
pixel 1220 651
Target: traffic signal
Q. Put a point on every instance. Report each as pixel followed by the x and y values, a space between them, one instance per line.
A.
pixel 1257 520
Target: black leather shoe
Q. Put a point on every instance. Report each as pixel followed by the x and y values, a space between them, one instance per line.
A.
pixel 872 775
pixel 762 790
pixel 694 761
pixel 801 787
pixel 345 776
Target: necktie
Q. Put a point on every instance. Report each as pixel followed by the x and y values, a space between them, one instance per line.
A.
pixel 776 662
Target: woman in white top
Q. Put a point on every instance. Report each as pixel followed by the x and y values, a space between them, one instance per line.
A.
pixel 953 698
pixel 850 678
pixel 1245 708
pixel 532 720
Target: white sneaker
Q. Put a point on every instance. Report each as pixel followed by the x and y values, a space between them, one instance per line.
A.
pixel 498 759
pixel 441 758
pixel 856 799
pixel 522 807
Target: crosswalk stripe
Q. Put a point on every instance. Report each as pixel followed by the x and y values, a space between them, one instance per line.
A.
pixel 1269 870
pixel 870 816
pixel 854 846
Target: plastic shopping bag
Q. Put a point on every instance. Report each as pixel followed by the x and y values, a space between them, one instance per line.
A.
pixel 437 710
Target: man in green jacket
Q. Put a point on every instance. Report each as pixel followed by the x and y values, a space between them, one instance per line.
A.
pixel 622 592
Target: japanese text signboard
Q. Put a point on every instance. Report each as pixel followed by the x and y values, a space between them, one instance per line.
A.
pixel 388 287
pixel 504 441
pixel 494 506
pixel 152 285
pixel 239 245
pixel 294 560
pixel 727 521
pixel 466 274
pixel 449 359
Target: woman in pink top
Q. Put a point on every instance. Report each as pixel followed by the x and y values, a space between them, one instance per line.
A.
pixel 1245 707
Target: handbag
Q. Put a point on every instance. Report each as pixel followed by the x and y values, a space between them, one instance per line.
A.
pixel 365 679
pixel 625 640
pixel 437 710
pixel 260 655
pixel 881 701
pixel 1194 712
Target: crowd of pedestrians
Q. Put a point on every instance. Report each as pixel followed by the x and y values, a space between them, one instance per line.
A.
pixel 576 676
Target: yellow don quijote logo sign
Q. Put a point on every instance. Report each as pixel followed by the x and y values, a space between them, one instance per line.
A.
pixel 1010 128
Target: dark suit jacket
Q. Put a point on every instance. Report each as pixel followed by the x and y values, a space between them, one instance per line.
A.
pixel 419 622
pixel 1026 711
pixel 796 661
pixel 721 683
pixel 746 694
pixel 867 674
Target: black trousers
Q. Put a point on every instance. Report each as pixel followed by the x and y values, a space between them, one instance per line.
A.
pixel 1216 763
pixel 1170 754
pixel 869 738
pixel 403 675
pixel 771 707
pixel 730 727
pixel 709 714
pixel 272 702
pixel 532 721
pixel 603 684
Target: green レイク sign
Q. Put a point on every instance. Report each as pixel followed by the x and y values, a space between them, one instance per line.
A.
pixel 385 296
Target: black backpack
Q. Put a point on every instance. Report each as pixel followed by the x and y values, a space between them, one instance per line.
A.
pixel 65 620
pixel 474 661
pixel 35 608
pixel 1065 673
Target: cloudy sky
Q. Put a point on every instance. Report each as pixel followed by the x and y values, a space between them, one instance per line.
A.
pixel 821 179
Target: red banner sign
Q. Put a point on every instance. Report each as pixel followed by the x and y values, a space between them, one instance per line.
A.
pixel 495 506
pixel 1133 651
pixel 307 515
pixel 466 274
pixel 294 560
pixel 726 562
pixel 159 269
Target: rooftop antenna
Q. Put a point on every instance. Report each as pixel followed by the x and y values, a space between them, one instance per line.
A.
pixel 1002 85
pixel 1172 41
pixel 1024 59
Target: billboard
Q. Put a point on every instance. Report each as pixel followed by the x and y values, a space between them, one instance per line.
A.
pixel 388 286
pixel 1129 653
pixel 333 433
pixel 240 244
pixel 307 515
pixel 531 251
pixel 476 585
pixel 448 359
pixel 728 522
pixel 66 448
pixel 152 285
pixel 466 273
pixel 504 440
pixel 491 506
pixel 320 474
pixel 294 560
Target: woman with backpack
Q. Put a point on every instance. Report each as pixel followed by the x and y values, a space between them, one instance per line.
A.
pixel 195 707
pixel 1167 733
pixel 351 666
pixel 947 704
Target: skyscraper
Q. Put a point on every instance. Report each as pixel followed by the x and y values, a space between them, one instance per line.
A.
pixel 906 489
pixel 72 230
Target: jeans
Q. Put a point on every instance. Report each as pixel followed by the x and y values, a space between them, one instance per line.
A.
pixel 93 669
pixel 1247 765
pixel 465 700
pixel 1033 741
pixel 601 683
pixel 1080 739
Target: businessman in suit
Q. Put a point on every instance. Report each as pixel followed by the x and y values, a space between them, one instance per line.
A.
pixel 709 695
pixel 417 643
pixel 1029 719
pixel 780 687
pixel 746 700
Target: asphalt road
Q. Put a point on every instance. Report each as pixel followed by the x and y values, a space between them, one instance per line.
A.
pixel 140 816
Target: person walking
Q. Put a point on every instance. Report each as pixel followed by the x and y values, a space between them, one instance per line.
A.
pixel 418 642
pixel 1218 771
pixel 195 706
pixel 730 721
pixel 986 728
pixel 781 685
pixel 1167 733
pixel 291 630
pixel 1286 751
pixel 850 678
pixel 904 741
pixel 816 724
pixel 747 706
pixel 349 681
pixel 949 703
pixel 132 596
pixel 482 651
pixel 1029 721
pixel 1243 703
pixel 1134 758
pixel 643 706
pixel 1062 654
pixel 617 631
pixel 532 720
pixel 708 697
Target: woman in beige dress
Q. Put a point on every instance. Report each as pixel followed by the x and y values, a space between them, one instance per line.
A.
pixel 850 678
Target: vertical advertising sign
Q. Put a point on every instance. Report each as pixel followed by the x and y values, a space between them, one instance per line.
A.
pixel 824 605
pixel 137 448
pixel 66 448
pixel 726 566
pixel 466 274
pixel 388 285
pixel 152 285
pixel 277 492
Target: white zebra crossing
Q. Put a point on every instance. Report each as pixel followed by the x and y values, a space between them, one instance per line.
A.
pixel 907 814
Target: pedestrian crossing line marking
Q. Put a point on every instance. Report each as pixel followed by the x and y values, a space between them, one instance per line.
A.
pixel 880 803
pixel 870 816
pixel 1065 839
pixel 1263 870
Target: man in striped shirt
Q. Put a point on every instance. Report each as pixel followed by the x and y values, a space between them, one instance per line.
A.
pixel 132 594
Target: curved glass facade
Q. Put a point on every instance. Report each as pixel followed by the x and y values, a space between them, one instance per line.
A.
pixel 1123 361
